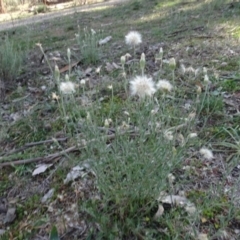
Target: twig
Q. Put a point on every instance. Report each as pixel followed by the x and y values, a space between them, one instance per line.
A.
pixel 38 159
pixel 63 152
pixel 206 36
pixel 184 30
pixel 32 145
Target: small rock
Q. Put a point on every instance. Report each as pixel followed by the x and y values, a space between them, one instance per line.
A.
pixel 10 216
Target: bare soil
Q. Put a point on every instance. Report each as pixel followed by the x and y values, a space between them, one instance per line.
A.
pixel 59 13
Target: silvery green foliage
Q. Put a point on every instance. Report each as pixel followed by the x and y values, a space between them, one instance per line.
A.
pixel 11 59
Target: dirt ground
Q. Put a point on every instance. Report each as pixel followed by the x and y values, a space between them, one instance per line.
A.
pixel 51 15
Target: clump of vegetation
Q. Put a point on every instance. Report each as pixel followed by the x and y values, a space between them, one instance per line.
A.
pixel 230 85
pixel 126 143
pixel 87 40
pixel 11 60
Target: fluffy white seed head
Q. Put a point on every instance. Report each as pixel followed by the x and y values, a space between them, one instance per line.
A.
pixel 133 38
pixel 67 87
pixel 164 85
pixel 206 153
pixel 142 86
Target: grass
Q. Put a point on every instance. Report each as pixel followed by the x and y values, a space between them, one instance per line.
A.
pixel 126 165
pixel 11 58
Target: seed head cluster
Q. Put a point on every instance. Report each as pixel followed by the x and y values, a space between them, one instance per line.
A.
pixel 67 87
pixel 142 86
pixel 133 38
pixel 164 85
pixel 206 153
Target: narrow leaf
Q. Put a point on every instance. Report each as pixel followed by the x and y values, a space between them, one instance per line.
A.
pixel 54 234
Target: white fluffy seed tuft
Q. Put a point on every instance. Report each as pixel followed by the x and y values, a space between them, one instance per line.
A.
pixel 142 86
pixel 164 85
pixel 206 153
pixel 133 38
pixel 67 87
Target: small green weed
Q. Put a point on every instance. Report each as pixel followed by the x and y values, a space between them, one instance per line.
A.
pixel 232 145
pixel 24 132
pixel 211 105
pixel 230 85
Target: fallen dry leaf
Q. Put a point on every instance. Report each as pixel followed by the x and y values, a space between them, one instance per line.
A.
pixel 67 67
pixel 105 40
pixel 112 66
pixel 78 171
pixel 159 212
pixel 74 174
pixel 116 66
pixel 41 168
pixel 88 71
pixel 179 201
